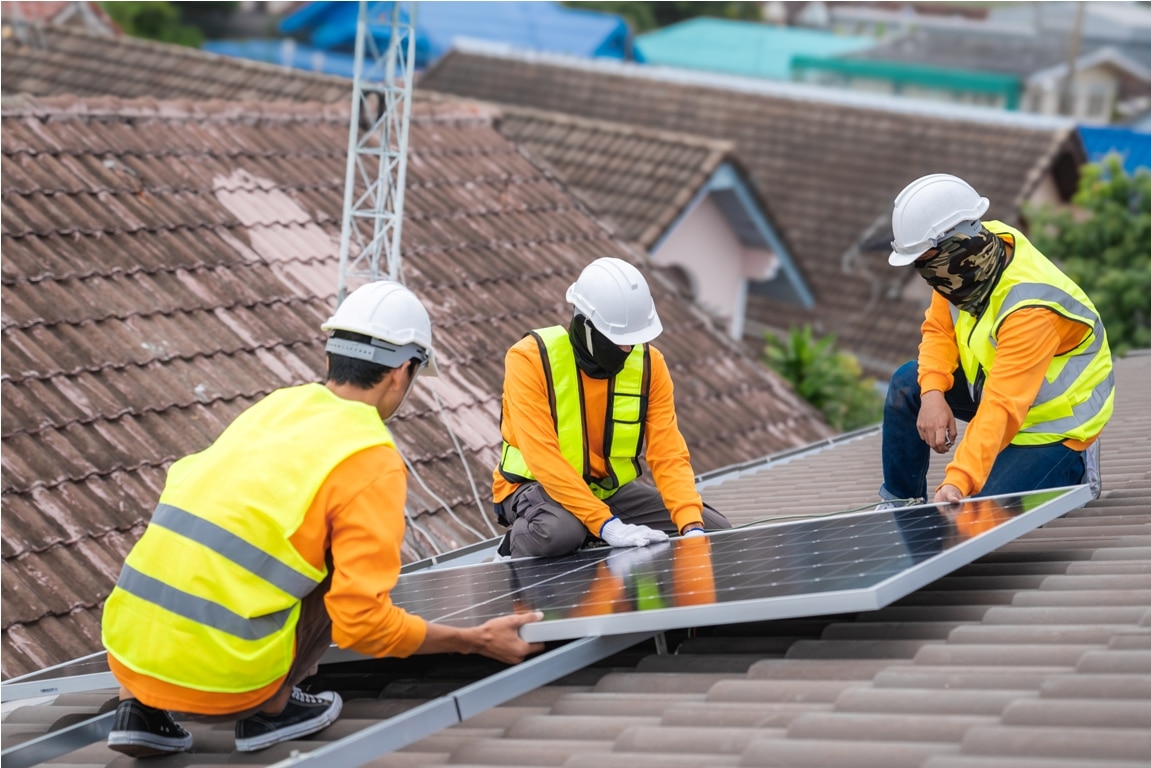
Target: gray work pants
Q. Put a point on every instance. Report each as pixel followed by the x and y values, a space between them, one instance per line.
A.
pixel 540 527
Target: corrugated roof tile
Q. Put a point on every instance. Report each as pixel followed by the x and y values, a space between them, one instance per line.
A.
pixel 1059 742
pixel 185 267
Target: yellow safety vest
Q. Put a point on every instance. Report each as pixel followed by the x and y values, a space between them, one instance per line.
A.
pixel 209 597
pixel 626 415
pixel 1078 393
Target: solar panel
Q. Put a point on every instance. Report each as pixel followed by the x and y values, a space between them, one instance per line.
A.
pixel 806 567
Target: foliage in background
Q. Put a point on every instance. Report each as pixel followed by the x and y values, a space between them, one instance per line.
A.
pixel 829 379
pixel 1104 244
pixel 153 21
pixel 176 22
pixel 644 17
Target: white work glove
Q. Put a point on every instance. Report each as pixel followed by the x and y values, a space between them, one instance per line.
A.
pixel 620 534
pixel 622 562
pixel 694 532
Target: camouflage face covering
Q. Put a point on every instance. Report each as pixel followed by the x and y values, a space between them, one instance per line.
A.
pixel 966 268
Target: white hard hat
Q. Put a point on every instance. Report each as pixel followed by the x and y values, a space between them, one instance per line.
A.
pixel 395 319
pixel 927 211
pixel 613 295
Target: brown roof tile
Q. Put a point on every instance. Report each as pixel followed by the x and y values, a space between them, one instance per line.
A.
pixel 166 264
pixel 55 60
pixel 828 168
pixel 636 180
pixel 1024 659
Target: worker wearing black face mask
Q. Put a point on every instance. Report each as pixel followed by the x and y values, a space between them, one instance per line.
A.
pixel 580 406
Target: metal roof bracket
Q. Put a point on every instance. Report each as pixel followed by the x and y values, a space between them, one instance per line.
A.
pixel 415 724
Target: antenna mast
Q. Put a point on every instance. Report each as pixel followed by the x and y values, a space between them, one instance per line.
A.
pixel 377 151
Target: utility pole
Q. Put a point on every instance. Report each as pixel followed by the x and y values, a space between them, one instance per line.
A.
pixel 1073 44
pixel 377 151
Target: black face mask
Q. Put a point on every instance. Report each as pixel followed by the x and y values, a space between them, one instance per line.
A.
pixel 595 354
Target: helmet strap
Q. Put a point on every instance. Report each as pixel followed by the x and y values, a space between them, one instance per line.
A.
pixel 412 376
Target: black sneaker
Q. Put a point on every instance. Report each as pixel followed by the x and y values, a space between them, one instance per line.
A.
pixel 304 715
pixel 143 731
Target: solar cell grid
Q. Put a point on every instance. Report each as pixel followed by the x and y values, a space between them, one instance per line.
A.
pixel 806 567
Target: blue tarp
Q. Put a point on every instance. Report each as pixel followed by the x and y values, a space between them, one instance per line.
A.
pixel 1133 146
pixel 540 26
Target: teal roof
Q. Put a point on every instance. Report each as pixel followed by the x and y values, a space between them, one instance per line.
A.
pixel 902 74
pixel 740 47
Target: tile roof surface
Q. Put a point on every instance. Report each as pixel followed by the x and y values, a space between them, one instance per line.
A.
pixel 828 168
pixel 166 264
pixel 635 180
pixel 55 61
pixel 1037 655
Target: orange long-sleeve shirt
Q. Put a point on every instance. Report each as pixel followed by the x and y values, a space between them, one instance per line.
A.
pixel 1027 342
pixel 358 513
pixel 527 424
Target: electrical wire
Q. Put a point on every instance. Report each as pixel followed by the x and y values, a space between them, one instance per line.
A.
pixel 429 539
pixel 451 512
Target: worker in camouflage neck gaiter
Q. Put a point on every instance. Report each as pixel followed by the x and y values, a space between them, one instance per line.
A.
pixel 1009 344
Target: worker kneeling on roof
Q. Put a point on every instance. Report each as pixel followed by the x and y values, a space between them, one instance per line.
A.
pixel 281 536
pixel 1010 344
pixel 579 404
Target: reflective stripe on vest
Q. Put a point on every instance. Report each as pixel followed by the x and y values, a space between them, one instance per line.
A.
pixel 198 609
pixel 209 598
pixel 1077 395
pixel 626 414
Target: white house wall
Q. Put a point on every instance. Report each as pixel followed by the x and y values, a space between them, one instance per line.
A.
pixel 718 265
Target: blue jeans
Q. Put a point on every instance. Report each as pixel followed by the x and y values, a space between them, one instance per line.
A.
pixel 1017 469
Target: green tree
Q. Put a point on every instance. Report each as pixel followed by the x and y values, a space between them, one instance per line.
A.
pixel 1103 243
pixel 154 21
pixel 829 379
pixel 647 16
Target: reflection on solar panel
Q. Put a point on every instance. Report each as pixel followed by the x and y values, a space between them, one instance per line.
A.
pixel 807 567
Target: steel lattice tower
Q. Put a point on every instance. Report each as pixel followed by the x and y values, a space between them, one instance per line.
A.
pixel 377 150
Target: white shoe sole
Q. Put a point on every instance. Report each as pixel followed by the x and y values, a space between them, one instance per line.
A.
pixel 297 731
pixel 143 744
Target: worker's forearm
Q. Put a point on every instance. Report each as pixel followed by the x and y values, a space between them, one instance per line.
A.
pixel 938 354
pixel 444 639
